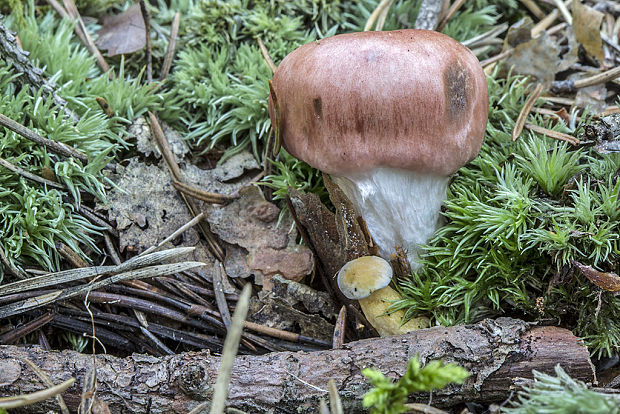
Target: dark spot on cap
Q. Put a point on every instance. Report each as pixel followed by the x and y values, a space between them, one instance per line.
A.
pixel 317 104
pixel 458 88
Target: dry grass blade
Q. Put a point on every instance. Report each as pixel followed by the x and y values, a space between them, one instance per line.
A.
pixel 174 32
pixel 334 399
pixel 423 409
pixel 39 301
pixel 175 234
pixel 384 4
pixel 553 134
pixel 451 11
pixel 35 397
pixel 146 15
pixel 564 11
pixel 383 17
pixel 485 37
pixel 49 383
pixel 339 329
pixel 231 345
pixel 525 111
pixel 600 78
pixel 533 7
pixel 65 276
pixel 323 408
pixel 175 170
pixel 265 53
pixel 82 32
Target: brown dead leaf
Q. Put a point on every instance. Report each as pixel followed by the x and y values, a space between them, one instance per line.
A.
pixel 606 281
pixel 538 57
pixel 122 33
pixel 587 25
pixel 293 263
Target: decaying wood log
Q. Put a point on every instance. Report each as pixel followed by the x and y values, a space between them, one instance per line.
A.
pixel 494 351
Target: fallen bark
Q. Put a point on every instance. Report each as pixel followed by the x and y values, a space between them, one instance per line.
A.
pixel 494 351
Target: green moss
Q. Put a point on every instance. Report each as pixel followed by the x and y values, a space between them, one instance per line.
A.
pixel 516 218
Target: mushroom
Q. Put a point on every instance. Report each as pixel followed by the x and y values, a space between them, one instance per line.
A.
pixel 367 280
pixel 390 116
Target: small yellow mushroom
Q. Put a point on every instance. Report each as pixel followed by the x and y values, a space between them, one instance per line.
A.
pixel 367 279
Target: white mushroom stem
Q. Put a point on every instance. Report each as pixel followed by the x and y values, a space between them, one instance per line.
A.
pixel 375 307
pixel 400 207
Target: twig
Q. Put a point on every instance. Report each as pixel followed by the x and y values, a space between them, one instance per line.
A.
pixel 59 9
pixel 231 345
pixel 56 147
pixel 110 249
pixel 451 11
pixel 13 53
pixel 90 215
pixel 14 335
pixel 82 32
pixel 175 234
pixel 172 42
pixel 30 176
pixel 35 397
pixel 525 111
pixel 175 171
pixel 146 16
pixel 220 299
pixel 564 10
pixel 265 53
pixel 542 25
pixel 533 7
pixel 202 195
pixel 49 383
pixel 70 255
pixel 599 78
pixel 553 134
pixel 496 58
pixel 314 387
pixel 284 335
pixel 158 343
pixel 375 14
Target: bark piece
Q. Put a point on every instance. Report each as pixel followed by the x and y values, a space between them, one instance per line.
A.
pixel 495 352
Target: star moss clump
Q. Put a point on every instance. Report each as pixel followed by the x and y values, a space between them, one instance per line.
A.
pixel 34 216
pixel 517 216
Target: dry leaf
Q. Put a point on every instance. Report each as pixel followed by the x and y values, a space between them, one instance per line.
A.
pixel 587 25
pixel 539 57
pixel 122 33
pixel 606 281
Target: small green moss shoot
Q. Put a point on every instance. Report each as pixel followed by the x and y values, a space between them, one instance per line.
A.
pixel 387 397
pixel 561 394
